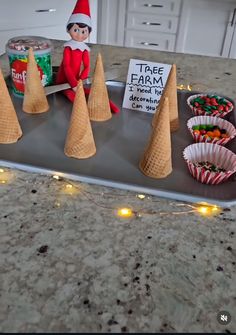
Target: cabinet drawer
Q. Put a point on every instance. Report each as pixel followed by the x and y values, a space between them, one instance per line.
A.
pixel 27 13
pixel 169 7
pixel 147 40
pixel 150 22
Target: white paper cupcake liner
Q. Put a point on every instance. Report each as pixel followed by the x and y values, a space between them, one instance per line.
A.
pixel 217 155
pixel 196 111
pixel 215 121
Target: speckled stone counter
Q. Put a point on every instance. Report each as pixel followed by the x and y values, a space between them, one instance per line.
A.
pixel 68 263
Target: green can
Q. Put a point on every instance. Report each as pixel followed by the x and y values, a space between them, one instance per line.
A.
pixel 17 51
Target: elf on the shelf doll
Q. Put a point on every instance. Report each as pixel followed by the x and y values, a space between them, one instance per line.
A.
pixel 75 64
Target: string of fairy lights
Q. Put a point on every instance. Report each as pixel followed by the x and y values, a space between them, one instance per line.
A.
pixel 78 189
pixel 72 189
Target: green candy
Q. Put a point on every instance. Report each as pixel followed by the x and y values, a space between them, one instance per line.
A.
pixel 210 127
pixel 201 101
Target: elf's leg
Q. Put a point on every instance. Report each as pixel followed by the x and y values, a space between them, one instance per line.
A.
pixel 70 94
pixel 114 108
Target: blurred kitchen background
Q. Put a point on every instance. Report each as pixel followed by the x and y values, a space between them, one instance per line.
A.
pixel 203 27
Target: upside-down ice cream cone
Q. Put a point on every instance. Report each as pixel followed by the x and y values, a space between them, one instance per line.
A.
pixel 35 100
pixel 98 101
pixel 170 92
pixel 10 130
pixel 79 141
pixel 156 161
pixel 155 116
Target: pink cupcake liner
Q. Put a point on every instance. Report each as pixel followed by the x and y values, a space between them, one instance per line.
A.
pixel 223 124
pixel 197 112
pixel 216 154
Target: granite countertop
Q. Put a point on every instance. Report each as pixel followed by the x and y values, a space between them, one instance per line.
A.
pixel 69 264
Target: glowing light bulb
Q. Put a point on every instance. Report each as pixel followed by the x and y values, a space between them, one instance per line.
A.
pixel 141 196
pixel 208 210
pixel 70 189
pixel 6 176
pixel 203 210
pixel 125 212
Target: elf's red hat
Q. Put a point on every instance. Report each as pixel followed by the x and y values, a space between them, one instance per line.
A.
pixel 81 13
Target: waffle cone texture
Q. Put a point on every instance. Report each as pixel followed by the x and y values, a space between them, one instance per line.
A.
pixel 35 100
pixel 79 141
pixel 98 101
pixel 10 130
pixel 156 161
pixel 170 92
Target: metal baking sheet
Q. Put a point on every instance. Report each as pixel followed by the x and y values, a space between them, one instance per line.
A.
pixel 120 143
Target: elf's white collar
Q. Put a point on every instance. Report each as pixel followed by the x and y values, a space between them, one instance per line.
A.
pixel 74 45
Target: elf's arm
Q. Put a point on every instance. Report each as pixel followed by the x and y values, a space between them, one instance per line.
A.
pixel 86 62
pixel 70 76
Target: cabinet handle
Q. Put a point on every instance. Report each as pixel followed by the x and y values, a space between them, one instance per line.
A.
pixel 152 44
pixel 151 5
pixel 232 22
pixel 152 23
pixel 48 10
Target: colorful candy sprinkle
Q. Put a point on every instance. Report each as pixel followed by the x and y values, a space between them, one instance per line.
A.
pixel 209 166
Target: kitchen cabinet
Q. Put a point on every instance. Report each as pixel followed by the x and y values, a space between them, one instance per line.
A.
pixel 149 24
pixel 205 27
pixel 46 18
pixel 152 24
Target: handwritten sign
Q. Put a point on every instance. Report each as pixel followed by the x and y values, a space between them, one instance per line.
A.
pixel 145 84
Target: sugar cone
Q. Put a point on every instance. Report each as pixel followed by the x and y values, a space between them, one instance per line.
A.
pixel 171 92
pixel 155 116
pixel 156 161
pixel 98 101
pixel 35 100
pixel 79 141
pixel 10 130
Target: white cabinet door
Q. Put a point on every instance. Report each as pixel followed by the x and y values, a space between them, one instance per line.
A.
pixel 111 21
pixel 203 26
pixel 232 51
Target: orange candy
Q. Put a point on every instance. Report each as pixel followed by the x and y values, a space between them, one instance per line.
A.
pixel 217 133
pixel 210 133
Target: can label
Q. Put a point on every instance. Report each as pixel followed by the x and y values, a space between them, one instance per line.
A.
pixel 18 66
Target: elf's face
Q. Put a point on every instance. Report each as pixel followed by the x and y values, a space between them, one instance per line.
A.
pixel 78 34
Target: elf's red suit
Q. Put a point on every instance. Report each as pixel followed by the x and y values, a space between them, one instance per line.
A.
pixel 74 66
